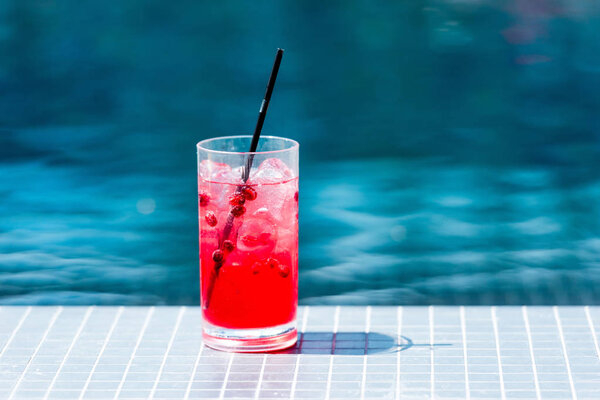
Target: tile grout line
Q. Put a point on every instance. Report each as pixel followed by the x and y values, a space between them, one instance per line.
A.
pixel 533 365
pixel 336 323
pixel 564 349
pixel 591 324
pixel 37 349
pixel 84 321
pixel 135 348
pixel 260 377
pixel 106 340
pixel 189 386
pixel 463 328
pixel 226 378
pixel 303 330
pixel 495 321
pixel 367 330
pixel 14 332
pixel 167 350
pixel 431 353
pixel 497 340
pixel 399 339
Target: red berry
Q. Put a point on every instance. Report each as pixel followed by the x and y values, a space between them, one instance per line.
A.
pixel 296 196
pixel 203 198
pixel 237 199
pixel 272 262
pixel 284 271
pixel 211 219
pixel 256 267
pixel 249 193
pixel 228 246
pixel 218 256
pixel 238 211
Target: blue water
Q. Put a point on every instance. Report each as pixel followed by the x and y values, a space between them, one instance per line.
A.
pixel 450 151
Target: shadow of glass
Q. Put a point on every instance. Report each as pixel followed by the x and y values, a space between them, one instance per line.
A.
pixel 353 343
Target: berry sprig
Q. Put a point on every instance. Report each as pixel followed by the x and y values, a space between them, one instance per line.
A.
pixel 237 201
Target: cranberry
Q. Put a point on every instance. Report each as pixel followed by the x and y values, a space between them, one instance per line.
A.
pixel 211 219
pixel 238 211
pixel 272 262
pixel 218 256
pixel 228 246
pixel 237 199
pixel 256 267
pixel 296 196
pixel 203 198
pixel 249 193
pixel 284 270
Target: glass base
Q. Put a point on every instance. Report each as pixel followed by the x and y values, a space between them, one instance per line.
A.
pixel 250 340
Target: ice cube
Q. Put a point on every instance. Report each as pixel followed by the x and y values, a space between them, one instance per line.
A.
pixel 257 234
pixel 218 172
pixel 272 170
pixel 278 200
pixel 237 174
pixel 209 169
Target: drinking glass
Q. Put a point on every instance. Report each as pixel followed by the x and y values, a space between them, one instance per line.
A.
pixel 248 220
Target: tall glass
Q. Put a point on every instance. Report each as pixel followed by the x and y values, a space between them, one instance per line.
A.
pixel 248 221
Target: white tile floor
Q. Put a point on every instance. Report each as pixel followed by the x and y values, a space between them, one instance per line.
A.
pixel 344 352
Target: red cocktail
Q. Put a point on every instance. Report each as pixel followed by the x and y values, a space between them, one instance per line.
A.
pixel 248 243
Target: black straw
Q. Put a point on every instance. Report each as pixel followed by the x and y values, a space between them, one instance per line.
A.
pixel 262 113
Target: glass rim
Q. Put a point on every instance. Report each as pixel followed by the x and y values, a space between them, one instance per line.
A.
pixel 200 146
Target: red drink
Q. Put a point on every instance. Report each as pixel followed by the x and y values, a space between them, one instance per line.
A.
pixel 248 254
